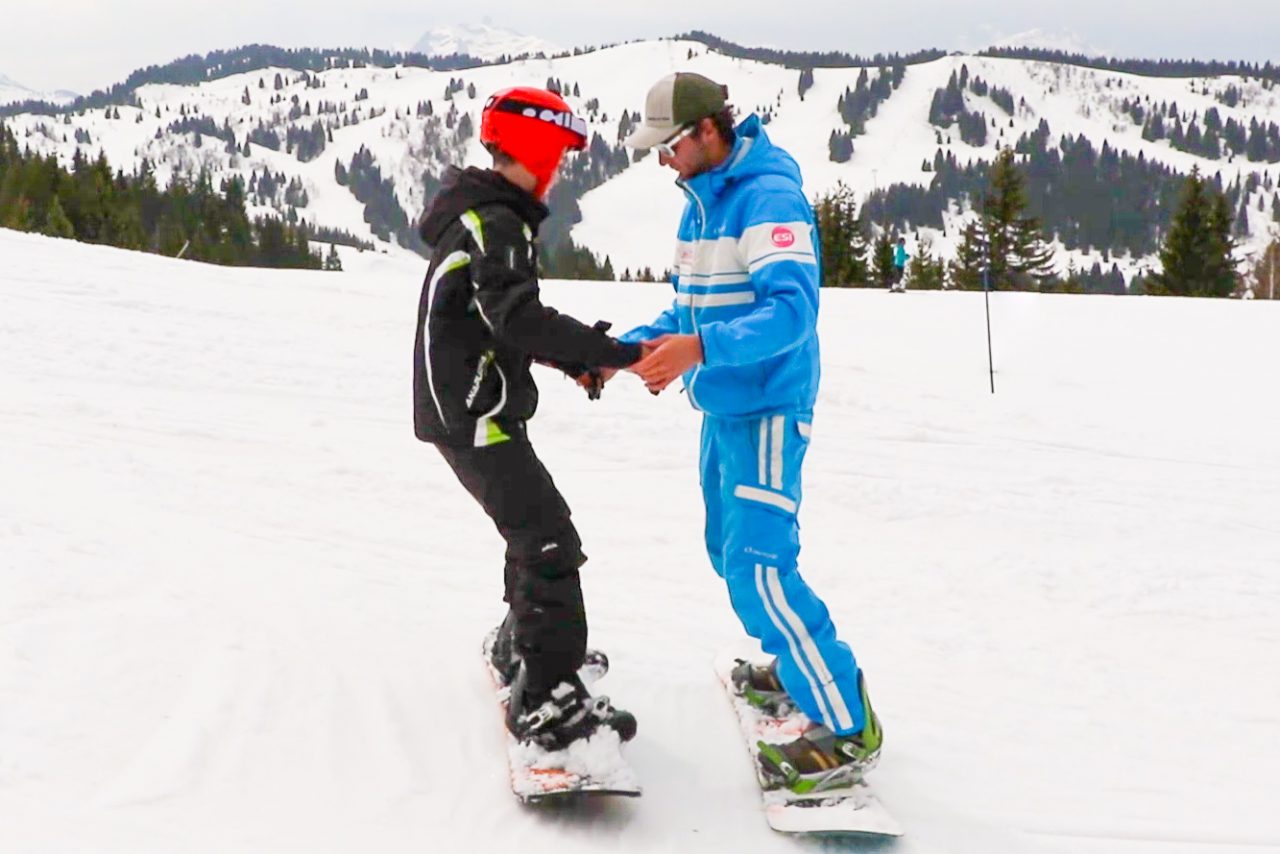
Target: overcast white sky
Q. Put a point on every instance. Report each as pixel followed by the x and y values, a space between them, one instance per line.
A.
pixel 90 44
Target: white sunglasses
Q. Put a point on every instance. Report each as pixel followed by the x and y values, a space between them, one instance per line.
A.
pixel 667 148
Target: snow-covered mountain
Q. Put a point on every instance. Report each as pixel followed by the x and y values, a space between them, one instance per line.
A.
pixel 11 91
pixel 1059 40
pixel 412 122
pixel 241 607
pixel 483 41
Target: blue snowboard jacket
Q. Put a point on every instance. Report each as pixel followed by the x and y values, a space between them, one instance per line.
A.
pixel 746 278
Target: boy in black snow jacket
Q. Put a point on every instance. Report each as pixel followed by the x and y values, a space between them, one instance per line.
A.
pixel 480 326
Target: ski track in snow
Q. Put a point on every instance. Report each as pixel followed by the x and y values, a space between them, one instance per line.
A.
pixel 240 604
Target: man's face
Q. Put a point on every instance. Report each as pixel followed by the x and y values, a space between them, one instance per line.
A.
pixel 689 155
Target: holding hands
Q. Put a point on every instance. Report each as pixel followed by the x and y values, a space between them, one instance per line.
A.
pixel 664 359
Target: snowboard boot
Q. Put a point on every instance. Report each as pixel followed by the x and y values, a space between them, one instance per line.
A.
pixel 759 685
pixel 565 714
pixel 500 650
pixel 820 760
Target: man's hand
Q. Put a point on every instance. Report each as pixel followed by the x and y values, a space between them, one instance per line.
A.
pixel 666 358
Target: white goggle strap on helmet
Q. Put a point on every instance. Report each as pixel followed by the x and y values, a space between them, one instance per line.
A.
pixel 563 119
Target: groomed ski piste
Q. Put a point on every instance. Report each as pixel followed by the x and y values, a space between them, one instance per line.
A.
pixel 239 603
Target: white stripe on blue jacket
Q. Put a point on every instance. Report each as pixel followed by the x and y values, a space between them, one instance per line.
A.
pixel 746 277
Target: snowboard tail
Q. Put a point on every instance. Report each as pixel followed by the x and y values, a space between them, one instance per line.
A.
pixel 592 766
pixel 854 809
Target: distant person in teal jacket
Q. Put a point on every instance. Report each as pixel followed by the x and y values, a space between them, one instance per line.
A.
pixel 899 265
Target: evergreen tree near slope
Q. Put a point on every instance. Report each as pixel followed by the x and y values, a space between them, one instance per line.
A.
pixel 843 238
pixel 971 259
pixel 1196 255
pixel 1267 271
pixel 331 261
pixel 1019 258
pixel 882 260
pixel 840 146
pixel 924 271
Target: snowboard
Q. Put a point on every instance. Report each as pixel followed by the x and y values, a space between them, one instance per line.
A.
pixel 852 810
pixel 592 766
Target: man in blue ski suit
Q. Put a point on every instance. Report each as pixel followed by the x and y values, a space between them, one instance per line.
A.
pixel 742 333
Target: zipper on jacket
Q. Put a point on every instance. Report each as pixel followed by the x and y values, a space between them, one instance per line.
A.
pixel 693 315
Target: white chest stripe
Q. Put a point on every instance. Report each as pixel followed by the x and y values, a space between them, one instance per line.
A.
pixel 716 300
pixel 769 238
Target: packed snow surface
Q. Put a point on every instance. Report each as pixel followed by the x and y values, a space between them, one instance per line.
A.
pixel 240 605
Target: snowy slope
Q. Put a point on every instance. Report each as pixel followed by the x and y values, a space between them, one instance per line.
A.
pixel 631 218
pixel 239 603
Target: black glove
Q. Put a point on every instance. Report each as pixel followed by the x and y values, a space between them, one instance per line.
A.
pixel 595 384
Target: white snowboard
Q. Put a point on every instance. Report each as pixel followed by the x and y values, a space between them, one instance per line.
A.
pixel 853 810
pixel 591 766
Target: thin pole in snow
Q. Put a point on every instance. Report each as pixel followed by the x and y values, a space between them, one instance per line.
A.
pixel 1275 250
pixel 986 298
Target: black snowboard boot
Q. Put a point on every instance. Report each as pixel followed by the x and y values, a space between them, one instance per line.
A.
pixel 563 715
pixel 500 649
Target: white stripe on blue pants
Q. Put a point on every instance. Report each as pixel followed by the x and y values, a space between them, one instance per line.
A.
pixel 750 471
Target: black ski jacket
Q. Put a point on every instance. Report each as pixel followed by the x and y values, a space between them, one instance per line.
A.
pixel 480 321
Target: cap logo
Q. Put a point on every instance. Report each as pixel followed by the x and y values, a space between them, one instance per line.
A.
pixel 782 236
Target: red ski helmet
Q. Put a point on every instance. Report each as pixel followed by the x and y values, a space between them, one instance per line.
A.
pixel 534 127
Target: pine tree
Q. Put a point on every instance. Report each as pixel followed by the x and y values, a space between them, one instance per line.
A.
pixel 843 238
pixel 923 272
pixel 882 260
pixel 806 81
pixel 332 261
pixel 840 146
pixel 1018 256
pixel 1196 256
pixel 970 261
pixel 1266 274
pixel 56 223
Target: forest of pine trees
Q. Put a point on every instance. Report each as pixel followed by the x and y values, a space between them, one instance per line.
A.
pixel 90 203
pixel 1090 199
pixel 1144 67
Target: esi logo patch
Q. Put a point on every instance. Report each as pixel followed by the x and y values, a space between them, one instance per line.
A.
pixel 783 237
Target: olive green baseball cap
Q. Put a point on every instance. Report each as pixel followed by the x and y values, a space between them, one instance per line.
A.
pixel 674 101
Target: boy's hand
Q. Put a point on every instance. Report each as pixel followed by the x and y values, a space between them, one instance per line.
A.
pixel 666 358
pixel 593 381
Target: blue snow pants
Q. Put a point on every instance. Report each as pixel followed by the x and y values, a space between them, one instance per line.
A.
pixel 750 472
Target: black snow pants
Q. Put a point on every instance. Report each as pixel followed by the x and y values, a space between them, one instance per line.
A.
pixel 542 587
